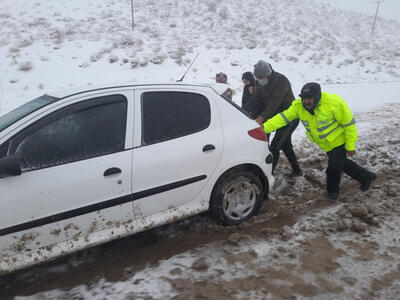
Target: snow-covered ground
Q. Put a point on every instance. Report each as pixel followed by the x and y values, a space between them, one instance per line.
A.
pixel 300 245
pixel 48 45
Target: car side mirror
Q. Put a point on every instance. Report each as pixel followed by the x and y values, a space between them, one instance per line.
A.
pixel 9 166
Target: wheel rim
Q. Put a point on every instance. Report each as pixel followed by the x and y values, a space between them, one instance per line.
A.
pixel 239 199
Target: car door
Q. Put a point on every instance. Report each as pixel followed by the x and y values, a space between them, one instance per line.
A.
pixel 180 145
pixel 76 174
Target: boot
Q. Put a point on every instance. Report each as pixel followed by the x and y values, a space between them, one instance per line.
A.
pixel 332 195
pixel 366 183
pixel 295 172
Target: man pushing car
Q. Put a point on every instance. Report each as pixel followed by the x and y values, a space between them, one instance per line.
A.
pixel 330 124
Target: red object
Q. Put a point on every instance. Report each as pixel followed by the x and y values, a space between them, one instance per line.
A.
pixel 258 134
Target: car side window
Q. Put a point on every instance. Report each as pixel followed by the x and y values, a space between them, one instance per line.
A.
pixel 169 115
pixel 80 131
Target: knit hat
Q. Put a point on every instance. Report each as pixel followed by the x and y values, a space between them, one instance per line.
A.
pixel 262 69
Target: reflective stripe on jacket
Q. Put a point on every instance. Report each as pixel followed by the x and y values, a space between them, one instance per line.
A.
pixel 331 125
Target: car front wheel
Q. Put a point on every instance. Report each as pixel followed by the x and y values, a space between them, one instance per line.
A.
pixel 236 198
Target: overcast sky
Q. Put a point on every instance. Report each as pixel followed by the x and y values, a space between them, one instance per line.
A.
pixel 388 9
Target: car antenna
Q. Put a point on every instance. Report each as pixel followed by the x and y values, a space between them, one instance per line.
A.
pixel 188 68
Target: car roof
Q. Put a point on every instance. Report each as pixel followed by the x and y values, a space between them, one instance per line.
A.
pixel 62 93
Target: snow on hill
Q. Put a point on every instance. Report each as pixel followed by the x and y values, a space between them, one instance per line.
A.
pixel 47 45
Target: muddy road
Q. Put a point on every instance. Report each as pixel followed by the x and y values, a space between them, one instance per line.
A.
pixel 118 259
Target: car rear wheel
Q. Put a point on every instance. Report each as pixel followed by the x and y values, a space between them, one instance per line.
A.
pixel 236 198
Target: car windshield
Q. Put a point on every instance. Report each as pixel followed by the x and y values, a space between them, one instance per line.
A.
pixel 24 110
pixel 235 105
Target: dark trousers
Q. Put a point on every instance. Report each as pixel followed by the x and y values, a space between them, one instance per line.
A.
pixel 338 163
pixel 283 141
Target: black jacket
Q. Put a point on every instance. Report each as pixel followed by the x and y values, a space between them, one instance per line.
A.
pixel 246 94
pixel 274 97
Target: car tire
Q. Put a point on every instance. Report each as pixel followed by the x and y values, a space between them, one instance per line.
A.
pixel 236 197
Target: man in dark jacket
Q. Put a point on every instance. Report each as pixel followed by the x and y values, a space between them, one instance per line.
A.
pixel 272 94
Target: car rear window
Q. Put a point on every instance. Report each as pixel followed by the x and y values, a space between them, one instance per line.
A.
pixel 167 115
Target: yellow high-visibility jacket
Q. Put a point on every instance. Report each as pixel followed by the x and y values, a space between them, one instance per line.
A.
pixel 331 125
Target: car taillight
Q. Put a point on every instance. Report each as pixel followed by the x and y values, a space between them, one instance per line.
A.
pixel 258 134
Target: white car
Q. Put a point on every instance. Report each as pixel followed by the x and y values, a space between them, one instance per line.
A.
pixel 85 167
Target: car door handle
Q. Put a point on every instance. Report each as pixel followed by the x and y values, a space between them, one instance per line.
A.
pixel 208 147
pixel 111 171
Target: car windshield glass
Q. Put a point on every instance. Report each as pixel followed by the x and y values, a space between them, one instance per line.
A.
pixel 235 105
pixel 24 110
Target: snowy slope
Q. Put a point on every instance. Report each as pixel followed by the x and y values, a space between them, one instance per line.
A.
pixel 55 44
